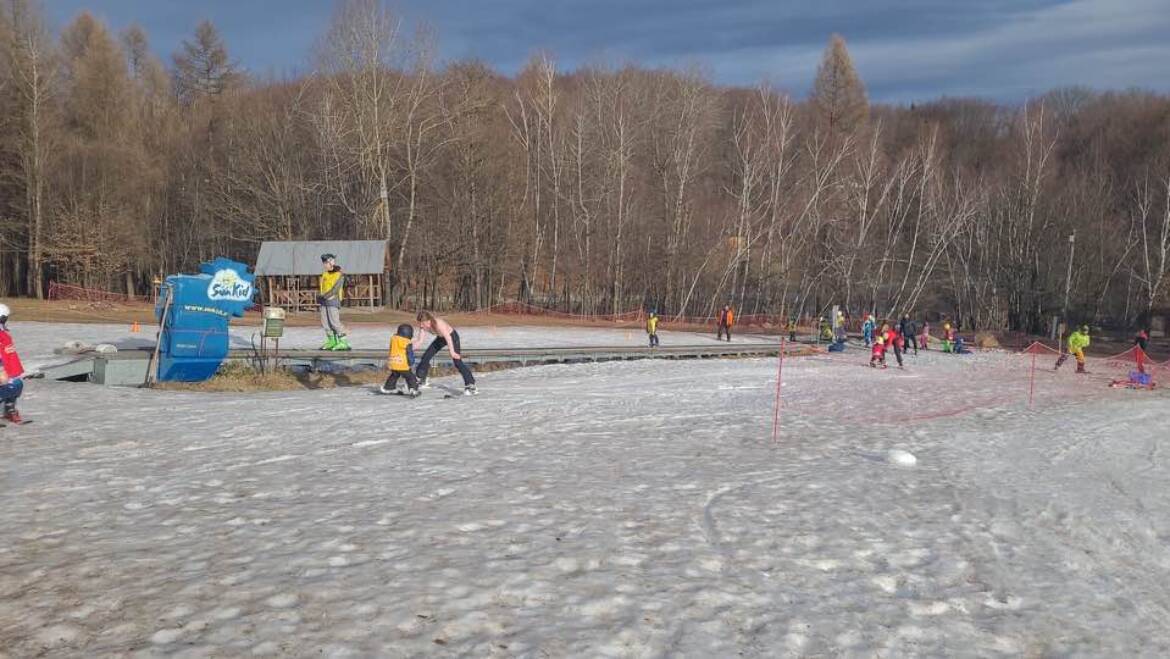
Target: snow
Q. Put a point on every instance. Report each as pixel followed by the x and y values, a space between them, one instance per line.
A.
pixel 621 509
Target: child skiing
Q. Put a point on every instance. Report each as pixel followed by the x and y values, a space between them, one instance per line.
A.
pixel 445 336
pixel 652 328
pixel 11 371
pixel 1077 342
pixel 867 329
pixel 877 354
pixel 400 362
pixel 894 340
pixel 791 330
pixel 948 342
pixel 924 338
pixel 330 294
pixel 726 320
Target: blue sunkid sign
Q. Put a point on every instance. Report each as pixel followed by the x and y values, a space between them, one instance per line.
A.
pixel 194 339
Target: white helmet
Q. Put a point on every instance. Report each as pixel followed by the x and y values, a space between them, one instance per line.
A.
pixel 4 312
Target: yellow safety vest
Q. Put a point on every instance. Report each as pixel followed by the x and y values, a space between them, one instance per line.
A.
pixel 398 350
pixel 329 280
pixel 652 324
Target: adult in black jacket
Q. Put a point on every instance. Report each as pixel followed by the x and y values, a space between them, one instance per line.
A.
pixel 909 329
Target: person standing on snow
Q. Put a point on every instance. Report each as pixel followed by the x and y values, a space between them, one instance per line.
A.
pixel 652 328
pixel 330 293
pixel 726 320
pixel 867 329
pixel 839 334
pixel 445 336
pixel 11 370
pixel 948 342
pixel 1141 343
pixel 791 330
pixel 924 338
pixel 1077 342
pixel 893 340
pixel 909 332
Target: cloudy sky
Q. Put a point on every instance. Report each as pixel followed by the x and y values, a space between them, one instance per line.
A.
pixel 906 50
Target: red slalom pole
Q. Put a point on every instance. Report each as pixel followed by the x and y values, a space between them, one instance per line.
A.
pixel 1032 379
pixel 776 412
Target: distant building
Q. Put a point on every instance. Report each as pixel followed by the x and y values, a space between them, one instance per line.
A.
pixel 287 272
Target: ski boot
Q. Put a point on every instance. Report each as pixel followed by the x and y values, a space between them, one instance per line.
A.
pixel 11 415
pixel 413 393
pixel 387 390
pixel 341 345
pixel 470 390
pixel 1081 369
pixel 330 342
pixel 423 384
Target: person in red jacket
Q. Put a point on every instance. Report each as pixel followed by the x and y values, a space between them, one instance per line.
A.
pixel 893 340
pixel 11 370
pixel 878 354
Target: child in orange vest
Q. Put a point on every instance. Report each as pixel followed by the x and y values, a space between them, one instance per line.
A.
pixel 400 362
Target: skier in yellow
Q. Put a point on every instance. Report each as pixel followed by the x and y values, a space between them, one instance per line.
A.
pixel 1077 342
pixel 652 328
pixel 330 293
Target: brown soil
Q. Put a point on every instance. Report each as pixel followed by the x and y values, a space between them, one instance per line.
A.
pixel 66 311
pixel 242 378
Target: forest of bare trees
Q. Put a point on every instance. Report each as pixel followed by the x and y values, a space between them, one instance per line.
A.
pixel 593 190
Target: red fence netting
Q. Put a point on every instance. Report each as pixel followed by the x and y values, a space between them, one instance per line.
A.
pixel 59 291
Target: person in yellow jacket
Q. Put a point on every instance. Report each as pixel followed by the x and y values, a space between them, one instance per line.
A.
pixel 401 362
pixel 652 328
pixel 1077 342
pixel 330 293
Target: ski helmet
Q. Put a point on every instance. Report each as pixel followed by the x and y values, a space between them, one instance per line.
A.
pixel 326 256
pixel 4 312
pixel 406 331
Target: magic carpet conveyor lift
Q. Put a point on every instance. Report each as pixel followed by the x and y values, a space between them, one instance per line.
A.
pixel 128 367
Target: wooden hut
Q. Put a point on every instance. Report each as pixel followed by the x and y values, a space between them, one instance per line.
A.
pixel 287 272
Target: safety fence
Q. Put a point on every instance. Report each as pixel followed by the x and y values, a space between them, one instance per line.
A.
pixel 59 291
pixel 945 386
pixel 515 307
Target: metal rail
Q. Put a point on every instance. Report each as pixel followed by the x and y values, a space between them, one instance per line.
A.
pixel 129 366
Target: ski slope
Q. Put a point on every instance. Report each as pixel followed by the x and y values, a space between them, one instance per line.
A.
pixel 632 509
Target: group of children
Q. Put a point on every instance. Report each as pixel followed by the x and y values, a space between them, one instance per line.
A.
pixel 401 360
pixel 897 337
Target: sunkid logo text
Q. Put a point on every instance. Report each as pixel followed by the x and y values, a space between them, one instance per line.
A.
pixel 227 285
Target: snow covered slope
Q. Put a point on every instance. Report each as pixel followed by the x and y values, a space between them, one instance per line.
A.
pixel 624 509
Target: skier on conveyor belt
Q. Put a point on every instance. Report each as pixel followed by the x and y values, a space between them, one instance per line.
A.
pixel 652 328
